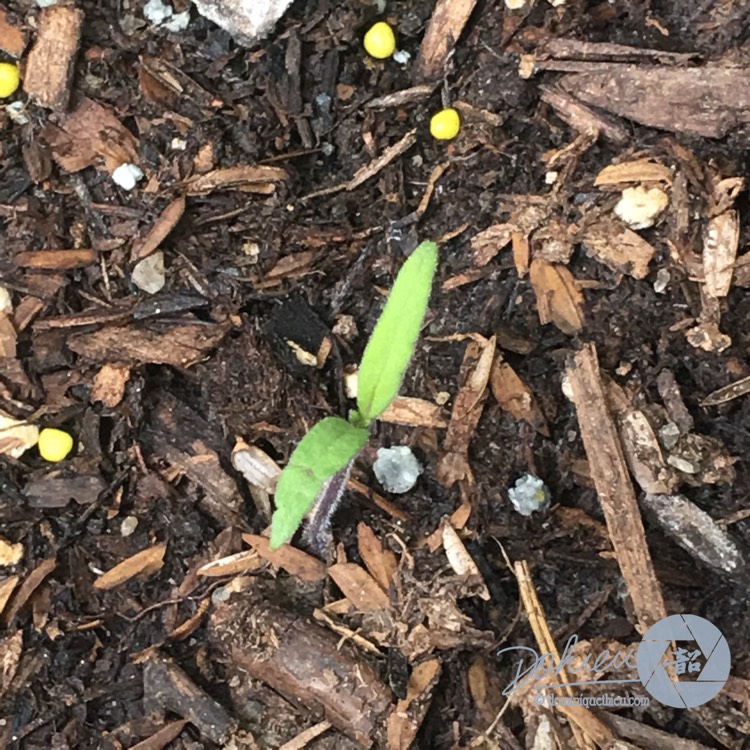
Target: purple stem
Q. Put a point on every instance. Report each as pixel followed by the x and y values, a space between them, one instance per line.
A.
pixel 318 524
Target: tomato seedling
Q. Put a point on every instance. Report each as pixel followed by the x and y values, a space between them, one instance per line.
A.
pixel 320 464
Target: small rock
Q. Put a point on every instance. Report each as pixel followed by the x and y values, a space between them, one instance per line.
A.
pixel 397 469
pixel 10 554
pixel 248 21
pixel 178 22
pixel 529 494
pixel 401 56
pixel 127 176
pixel 157 11
pixel 129 525
pixel 639 208
pixel 149 274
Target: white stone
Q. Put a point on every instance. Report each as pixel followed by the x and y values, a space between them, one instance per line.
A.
pixel 639 208
pixel 127 175
pixel 178 22
pixel 17 112
pixel 397 468
pixel 157 11
pixel 401 56
pixel 149 274
pixel 129 525
pixel 529 494
pixel 248 21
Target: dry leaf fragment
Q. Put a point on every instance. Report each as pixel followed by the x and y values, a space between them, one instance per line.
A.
pixel 618 247
pixel 488 243
pixel 728 392
pixel 258 468
pixel 89 135
pixel 516 397
pixel 166 222
pixel 109 383
pixel 16 436
pixel 461 561
pixel 453 465
pixel 55 260
pixel 231 565
pixel 10 654
pixel 405 720
pixel 380 562
pixel 637 170
pixel 7 586
pixel 359 587
pixel 146 562
pixel 415 412
pixel 27 588
pixel 558 298
pixel 721 239
pixel 12 39
pixel 248 178
pixel 294 561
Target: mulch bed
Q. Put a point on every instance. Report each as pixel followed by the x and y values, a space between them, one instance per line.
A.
pixel 587 326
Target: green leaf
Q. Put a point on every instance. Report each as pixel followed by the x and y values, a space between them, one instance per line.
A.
pixel 392 342
pixel 326 449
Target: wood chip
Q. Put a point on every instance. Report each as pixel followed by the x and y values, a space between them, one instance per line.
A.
pixel 359 587
pixel 489 242
pixel 12 39
pixel 727 393
pixel 588 730
pixel 167 687
pixel 453 465
pixel 302 740
pixel 515 397
pixel 179 346
pixel 108 386
pixel 161 739
pixel 610 475
pixel 302 661
pixel 461 561
pixel 10 654
pixel 370 170
pixel 241 562
pixel 558 298
pixel 187 628
pixel 30 584
pixel 166 222
pixel 91 135
pixel 55 260
pixel 414 412
pixel 294 561
pixel 406 718
pixel 446 26
pixel 707 101
pixel 146 562
pixel 721 239
pixel 581 118
pixel 7 587
pixel 50 64
pixel 638 170
pixel 381 563
pixel 258 468
pixel 618 248
pixel 248 179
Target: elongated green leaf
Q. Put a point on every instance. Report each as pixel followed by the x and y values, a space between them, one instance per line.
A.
pixel 326 449
pixel 392 342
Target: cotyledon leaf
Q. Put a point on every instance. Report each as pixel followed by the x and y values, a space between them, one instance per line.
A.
pixel 326 449
pixel 391 345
